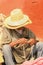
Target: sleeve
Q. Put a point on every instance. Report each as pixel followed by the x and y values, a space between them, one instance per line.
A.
pixel 6 37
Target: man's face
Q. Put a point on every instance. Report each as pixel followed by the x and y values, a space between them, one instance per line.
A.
pixel 20 28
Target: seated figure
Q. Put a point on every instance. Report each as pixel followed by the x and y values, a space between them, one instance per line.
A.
pixel 17 40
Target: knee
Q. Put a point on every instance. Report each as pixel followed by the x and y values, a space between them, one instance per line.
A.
pixel 6 46
pixel 39 44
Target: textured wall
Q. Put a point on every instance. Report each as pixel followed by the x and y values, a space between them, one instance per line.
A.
pixel 33 8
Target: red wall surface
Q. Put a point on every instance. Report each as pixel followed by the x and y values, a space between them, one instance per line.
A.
pixel 33 8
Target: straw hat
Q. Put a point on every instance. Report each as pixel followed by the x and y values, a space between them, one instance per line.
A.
pixel 16 19
pixel 2 18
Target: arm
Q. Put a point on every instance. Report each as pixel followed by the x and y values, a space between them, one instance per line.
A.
pixel 23 41
pixel 31 42
pixel 32 37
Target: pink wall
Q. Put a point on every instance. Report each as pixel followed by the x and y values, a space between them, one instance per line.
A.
pixel 33 8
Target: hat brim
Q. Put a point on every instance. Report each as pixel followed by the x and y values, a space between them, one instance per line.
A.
pixel 14 25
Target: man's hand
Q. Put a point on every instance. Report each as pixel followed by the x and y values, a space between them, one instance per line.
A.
pixel 22 40
pixel 19 41
pixel 32 41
